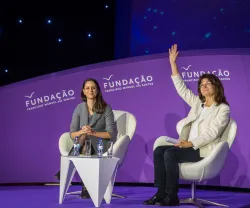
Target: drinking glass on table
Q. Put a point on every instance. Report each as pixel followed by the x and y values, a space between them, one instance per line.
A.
pixel 110 149
pixel 87 148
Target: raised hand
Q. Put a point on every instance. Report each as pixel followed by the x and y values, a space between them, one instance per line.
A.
pixel 173 53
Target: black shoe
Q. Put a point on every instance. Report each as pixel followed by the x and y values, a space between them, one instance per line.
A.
pixel 152 201
pixel 85 193
pixel 57 175
pixel 169 201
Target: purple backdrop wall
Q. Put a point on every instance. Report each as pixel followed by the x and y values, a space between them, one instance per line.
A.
pixel 30 130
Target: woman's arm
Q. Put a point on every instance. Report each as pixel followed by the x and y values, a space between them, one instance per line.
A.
pixel 111 129
pixel 174 68
pixel 186 94
pixel 103 135
pixel 76 134
pixel 75 124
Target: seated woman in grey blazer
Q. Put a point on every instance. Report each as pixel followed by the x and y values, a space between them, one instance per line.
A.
pixel 92 119
pixel 204 125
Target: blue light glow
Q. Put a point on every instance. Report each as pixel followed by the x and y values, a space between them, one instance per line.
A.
pixel 208 35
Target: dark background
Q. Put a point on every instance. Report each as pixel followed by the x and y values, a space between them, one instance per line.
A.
pixel 152 26
pixel 118 28
pixel 32 48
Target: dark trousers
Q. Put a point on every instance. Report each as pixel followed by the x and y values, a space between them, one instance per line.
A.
pixel 166 169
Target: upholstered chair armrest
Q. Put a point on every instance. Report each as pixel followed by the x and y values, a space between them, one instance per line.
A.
pixel 161 141
pixel 207 168
pixel 65 144
pixel 120 148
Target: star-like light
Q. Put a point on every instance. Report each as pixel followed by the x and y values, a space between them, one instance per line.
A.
pixel 208 35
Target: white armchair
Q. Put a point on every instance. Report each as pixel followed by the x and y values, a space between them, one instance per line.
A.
pixel 126 125
pixel 207 168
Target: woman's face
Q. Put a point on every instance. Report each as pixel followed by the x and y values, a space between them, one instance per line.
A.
pixel 207 88
pixel 90 90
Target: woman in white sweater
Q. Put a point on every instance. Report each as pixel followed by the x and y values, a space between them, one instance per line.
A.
pixel 204 125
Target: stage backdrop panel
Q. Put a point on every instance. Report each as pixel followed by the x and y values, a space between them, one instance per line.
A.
pixel 34 113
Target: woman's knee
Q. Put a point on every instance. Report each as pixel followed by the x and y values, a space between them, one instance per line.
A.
pixel 158 152
pixel 169 154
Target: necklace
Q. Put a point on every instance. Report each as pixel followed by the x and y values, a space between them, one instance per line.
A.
pixel 90 108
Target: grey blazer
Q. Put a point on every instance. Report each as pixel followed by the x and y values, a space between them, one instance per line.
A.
pixel 99 122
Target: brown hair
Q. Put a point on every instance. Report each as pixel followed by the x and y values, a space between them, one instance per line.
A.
pixel 218 87
pixel 100 104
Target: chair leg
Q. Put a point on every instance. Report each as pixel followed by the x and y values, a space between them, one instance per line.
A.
pixel 192 201
pixel 199 202
pixel 211 203
pixel 119 196
pixel 79 192
pixel 74 193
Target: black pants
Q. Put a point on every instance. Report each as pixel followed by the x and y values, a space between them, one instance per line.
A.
pixel 166 169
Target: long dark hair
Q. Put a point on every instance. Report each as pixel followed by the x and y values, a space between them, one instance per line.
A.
pixel 218 87
pixel 100 104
